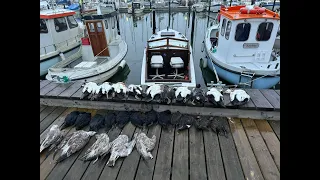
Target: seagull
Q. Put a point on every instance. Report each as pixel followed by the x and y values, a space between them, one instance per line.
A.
pixel 144 145
pixel 53 138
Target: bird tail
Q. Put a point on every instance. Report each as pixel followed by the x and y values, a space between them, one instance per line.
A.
pixel 63 126
pixel 41 148
pixel 61 158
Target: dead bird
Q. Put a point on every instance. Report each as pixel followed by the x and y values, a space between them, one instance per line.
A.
pixel 136 91
pixel 175 118
pixel 144 145
pixel 218 125
pixel 167 94
pixel 182 94
pixel 164 118
pixel 151 118
pixel 119 90
pixel 82 120
pixel 96 123
pixel 239 97
pixel 88 88
pixel 101 147
pixel 215 97
pixel 110 120
pixel 202 122
pixel 70 119
pixel 138 119
pixel 121 148
pixel 53 138
pixel 106 88
pixel 186 121
pixel 198 96
pixel 73 143
pixel 122 118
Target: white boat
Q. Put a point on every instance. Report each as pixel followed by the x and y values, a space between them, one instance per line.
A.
pixel 215 7
pixel 101 55
pixel 60 35
pixel 199 7
pixel 137 6
pixel 240 48
pixel 168 59
pixel 269 5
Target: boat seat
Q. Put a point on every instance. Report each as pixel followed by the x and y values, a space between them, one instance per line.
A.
pixel 176 62
pixel 157 62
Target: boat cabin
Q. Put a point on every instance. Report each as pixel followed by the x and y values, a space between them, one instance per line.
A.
pixel 245 34
pixel 168 58
pixel 58 28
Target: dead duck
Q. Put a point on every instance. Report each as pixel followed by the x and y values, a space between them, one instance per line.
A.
pixel 198 96
pixel 110 120
pixel 164 118
pixel 88 88
pixel 152 91
pixel 119 90
pixel 70 119
pixel 186 121
pixel 82 120
pixel 73 143
pixel 182 94
pixel 167 94
pixel 138 119
pixel 101 147
pixel 96 123
pixel 144 145
pixel 239 97
pixel 175 118
pixel 53 138
pixel 106 88
pixel 151 118
pixel 215 97
pixel 136 91
pixel 217 125
pixel 96 93
pixel 202 122
pixel 121 148
pixel 122 118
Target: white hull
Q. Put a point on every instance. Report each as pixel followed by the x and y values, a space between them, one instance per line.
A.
pixel 136 11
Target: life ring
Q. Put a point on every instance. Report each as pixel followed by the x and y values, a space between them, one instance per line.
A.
pixel 255 10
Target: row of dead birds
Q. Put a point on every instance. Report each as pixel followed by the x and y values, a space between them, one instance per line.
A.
pixel 120 147
pixel 164 93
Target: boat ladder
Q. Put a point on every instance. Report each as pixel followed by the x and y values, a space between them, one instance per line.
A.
pixel 247 74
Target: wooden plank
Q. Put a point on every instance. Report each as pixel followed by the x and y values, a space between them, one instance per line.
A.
pixel 214 161
pixel 63 115
pixel 112 172
pixel 272 97
pixel 232 165
pixel 49 119
pixel 278 91
pixel 48 165
pixel 77 94
pixel 259 100
pixel 59 89
pixel 164 157
pixel 145 172
pixel 44 83
pixel 276 127
pixel 180 164
pixel 127 106
pixel 260 149
pixel 46 112
pixel 42 107
pixel 71 90
pixel 270 139
pixel 197 155
pixel 48 88
pixel 249 105
pixel 248 161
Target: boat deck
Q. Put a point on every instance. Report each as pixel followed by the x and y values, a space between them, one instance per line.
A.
pixel 251 151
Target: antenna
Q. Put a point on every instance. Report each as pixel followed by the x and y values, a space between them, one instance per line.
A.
pixel 169 17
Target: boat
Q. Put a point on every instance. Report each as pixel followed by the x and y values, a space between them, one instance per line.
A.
pixel 240 47
pixel 60 35
pixel 269 5
pixel 199 7
pixel 215 7
pixel 168 59
pixel 137 6
pixel 101 55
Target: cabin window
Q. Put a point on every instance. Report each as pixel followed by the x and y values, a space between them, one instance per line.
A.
pixel 72 22
pixel 223 27
pixel 242 31
pixel 113 23
pixel 228 29
pixel 264 31
pixel 43 26
pixel 106 24
pixel 60 24
pixel 91 27
pixel 99 27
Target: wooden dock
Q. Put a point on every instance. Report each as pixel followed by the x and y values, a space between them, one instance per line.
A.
pixel 264 104
pixel 251 151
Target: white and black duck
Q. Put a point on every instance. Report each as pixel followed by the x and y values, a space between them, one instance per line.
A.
pixel 101 147
pixel 106 88
pixel 218 125
pixel 73 143
pixel 198 96
pixel 82 120
pixel 70 119
pixel 144 145
pixel 88 88
pixel 97 122
pixel 53 138
pixel 119 90
pixel 121 147
pixel 182 94
pixel 136 91
pixel 152 91
pixel 215 97
pixel 239 97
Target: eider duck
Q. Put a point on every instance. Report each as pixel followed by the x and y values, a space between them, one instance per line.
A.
pixel 106 88
pixel 152 91
pixel 144 145
pixel 110 120
pixel 182 94
pixel 96 123
pixel 70 119
pixel 119 90
pixel 82 120
pixel 239 97
pixel 215 97
pixel 151 118
pixel 218 126
pixel 121 148
pixel 138 119
pixel 197 96
pixel 186 121
pixel 88 89
pixel 167 94
pixel 175 118
pixel 122 118
pixel 73 143
pixel 202 122
pixel 136 91
pixel 164 118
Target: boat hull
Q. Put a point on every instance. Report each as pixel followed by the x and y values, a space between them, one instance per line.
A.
pixel 233 77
